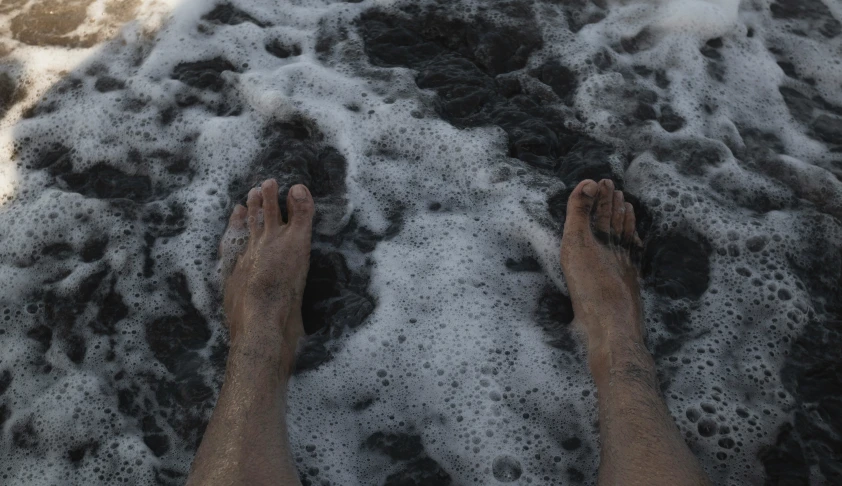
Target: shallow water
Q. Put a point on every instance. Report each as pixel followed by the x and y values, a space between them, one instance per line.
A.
pixel 440 140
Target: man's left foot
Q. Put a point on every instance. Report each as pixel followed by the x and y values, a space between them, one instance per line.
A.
pixel 262 294
pixel 601 277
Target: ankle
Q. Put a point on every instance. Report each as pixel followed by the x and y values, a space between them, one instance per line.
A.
pixel 262 366
pixel 262 350
pixel 621 358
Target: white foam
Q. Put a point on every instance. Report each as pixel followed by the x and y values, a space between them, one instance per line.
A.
pixel 454 330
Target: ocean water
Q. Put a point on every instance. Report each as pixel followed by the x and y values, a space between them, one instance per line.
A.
pixel 440 140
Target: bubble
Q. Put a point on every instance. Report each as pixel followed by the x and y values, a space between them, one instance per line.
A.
pixel 707 427
pixel 506 469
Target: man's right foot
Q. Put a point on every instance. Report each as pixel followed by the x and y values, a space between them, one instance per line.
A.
pixel 601 277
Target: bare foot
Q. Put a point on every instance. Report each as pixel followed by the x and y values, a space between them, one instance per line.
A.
pixel 601 278
pixel 262 294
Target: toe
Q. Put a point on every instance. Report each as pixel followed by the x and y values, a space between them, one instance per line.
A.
pixel 238 217
pixel 628 224
pixel 579 207
pixel 619 215
pixel 271 208
pixel 255 201
pixel 604 206
pixel 636 241
pixel 300 206
pixel 236 223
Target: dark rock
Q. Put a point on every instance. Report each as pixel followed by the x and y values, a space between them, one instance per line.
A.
pixel 554 314
pixel 669 120
pixel 78 453
pixel 164 220
pixel 159 444
pixel 814 11
pixel 390 45
pixel 278 49
pixel 400 447
pixel 24 435
pixel 5 413
pixel 105 182
pixel 331 297
pixel 642 41
pixel 86 290
pixel 711 49
pixel 558 77
pixel 106 84
pixel 504 50
pixel 8 92
pixel 799 104
pixel 94 249
pixel 828 128
pixel 43 335
pixel 228 14
pixel 112 310
pixel 58 155
pixel 59 251
pixel 716 70
pixel 571 444
pixel 677 266
pixel 788 68
pixel 173 338
pixel 420 472
pixel 587 159
pixel 525 264
pixel 5 381
pixel 645 112
pixel 785 463
pixel 169 477
pixel 295 154
pixel 575 475
pixel 759 145
pixel 693 156
pixel 75 348
pixel 460 65
pixel 203 74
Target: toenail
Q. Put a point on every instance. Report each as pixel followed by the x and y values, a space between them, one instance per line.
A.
pixel 590 189
pixel 298 192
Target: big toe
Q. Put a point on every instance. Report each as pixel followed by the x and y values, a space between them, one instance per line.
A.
pixel 580 205
pixel 255 210
pixel 236 226
pixel 300 206
pixel 237 221
pixel 233 240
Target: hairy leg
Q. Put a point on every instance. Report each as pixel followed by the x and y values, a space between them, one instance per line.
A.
pixel 640 443
pixel 246 440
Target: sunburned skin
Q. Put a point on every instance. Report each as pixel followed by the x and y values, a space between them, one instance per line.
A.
pixel 246 441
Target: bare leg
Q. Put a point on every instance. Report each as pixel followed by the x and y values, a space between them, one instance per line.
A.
pixel 641 444
pixel 246 440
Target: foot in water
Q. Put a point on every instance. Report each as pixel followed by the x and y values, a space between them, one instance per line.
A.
pixel 639 441
pixel 263 291
pixel 601 277
pixel 246 441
